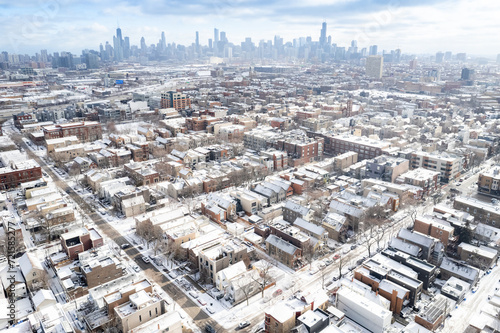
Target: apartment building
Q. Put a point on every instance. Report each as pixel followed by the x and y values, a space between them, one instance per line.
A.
pixel 218 256
pixel 488 181
pixel 176 100
pixel 483 212
pixel 448 166
pixel 365 147
pixel 142 307
pixel 52 144
pixel 386 168
pixel 16 173
pixel 85 131
pixel 427 180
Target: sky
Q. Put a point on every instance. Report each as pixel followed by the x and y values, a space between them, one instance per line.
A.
pixel 414 26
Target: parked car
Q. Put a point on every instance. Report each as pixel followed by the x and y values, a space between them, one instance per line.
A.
pixel 125 246
pixel 145 259
pixel 209 329
pixel 210 310
pixel 202 302
pixel 137 269
pixel 243 324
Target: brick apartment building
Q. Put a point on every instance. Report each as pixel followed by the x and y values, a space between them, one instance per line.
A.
pixel 176 100
pixel 488 182
pixel 21 172
pixel 200 123
pixel 301 151
pixel 85 131
pixel 365 147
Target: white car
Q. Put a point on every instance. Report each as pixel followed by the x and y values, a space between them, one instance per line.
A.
pixel 136 268
pixel 145 259
pixel 193 294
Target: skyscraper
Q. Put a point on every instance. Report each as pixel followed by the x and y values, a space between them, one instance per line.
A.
pixel 43 56
pixel 216 36
pixel 197 42
pixel 126 47
pixel 143 46
pixel 223 37
pixel 439 57
pixel 373 50
pixel 118 45
pixel 119 33
pixel 322 38
pixel 374 66
pixel 216 41
pixel 163 41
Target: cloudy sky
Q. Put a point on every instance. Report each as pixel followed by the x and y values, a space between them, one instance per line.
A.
pixel 415 26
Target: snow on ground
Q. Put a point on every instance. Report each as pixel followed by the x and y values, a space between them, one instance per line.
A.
pixel 471 307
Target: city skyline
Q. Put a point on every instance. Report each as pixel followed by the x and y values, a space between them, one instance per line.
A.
pixel 414 28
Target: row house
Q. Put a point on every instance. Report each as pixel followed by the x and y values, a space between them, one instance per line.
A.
pixel 139 151
pixel 287 253
pixel 219 207
pixel 52 144
pixel 221 255
pixel 141 174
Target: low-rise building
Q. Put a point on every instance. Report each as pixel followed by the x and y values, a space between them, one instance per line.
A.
pixel 363 311
pixel 80 240
pixel 461 271
pixel 141 307
pixel 427 180
pixel 287 253
pixel 482 257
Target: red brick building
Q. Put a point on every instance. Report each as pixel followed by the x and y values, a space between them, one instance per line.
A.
pixel 302 151
pixel 23 118
pixel 200 124
pixel 139 150
pixel 84 131
pixel 11 177
pixel 81 240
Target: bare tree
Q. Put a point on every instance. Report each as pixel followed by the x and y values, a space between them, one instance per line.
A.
pixel 148 233
pixel 264 277
pixel 410 205
pixel 245 286
pixel 341 263
pixel 74 172
pixel 323 273
pixel 308 252
pixel 369 237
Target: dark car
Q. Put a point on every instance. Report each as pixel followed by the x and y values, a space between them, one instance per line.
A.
pixel 209 329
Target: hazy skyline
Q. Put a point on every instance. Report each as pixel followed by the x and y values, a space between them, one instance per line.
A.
pixel 423 27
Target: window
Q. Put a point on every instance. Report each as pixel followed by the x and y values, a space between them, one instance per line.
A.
pixel 149 313
pixel 140 318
